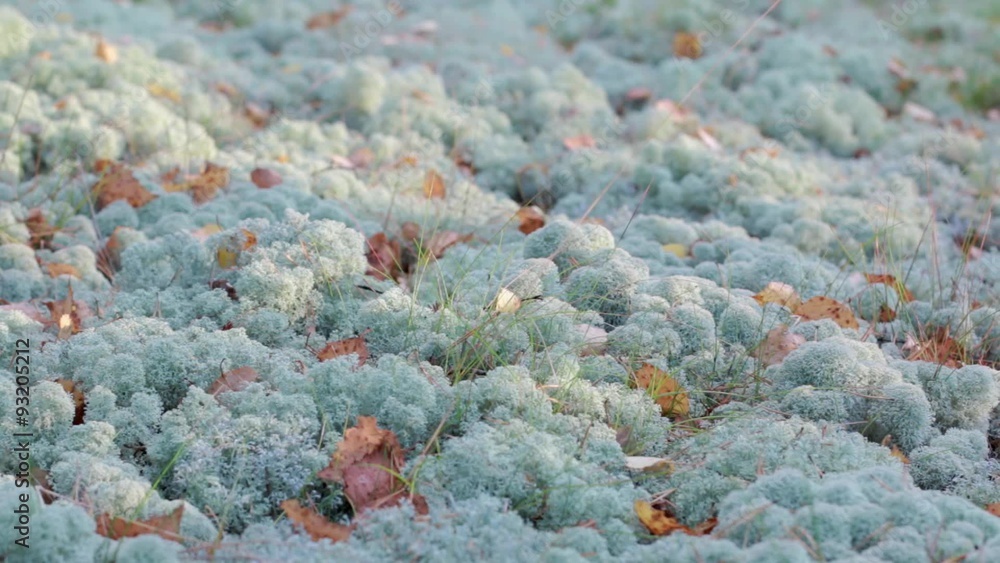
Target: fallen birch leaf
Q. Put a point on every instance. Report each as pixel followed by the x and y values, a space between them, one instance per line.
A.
pixel 822 307
pixel 331 18
pixel 678 250
pixel 119 183
pixel 687 45
pixel 79 401
pixel 595 339
pixel 579 142
pixel 658 522
pixel 354 345
pixel 55 270
pixel 106 51
pixel 443 240
pixel 385 257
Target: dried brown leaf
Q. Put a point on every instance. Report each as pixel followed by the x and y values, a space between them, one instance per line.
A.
pixel 664 389
pixel 778 344
pixel 234 380
pixel 530 220
pixel 355 345
pixel 579 142
pixel 331 18
pixel 687 45
pixel 79 401
pixel 56 269
pixel 119 183
pixel 265 178
pixel 167 526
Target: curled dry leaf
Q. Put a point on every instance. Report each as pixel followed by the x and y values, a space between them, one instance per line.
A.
pixel 109 257
pixel 40 230
pixel 664 389
pixel 937 348
pixel 433 185
pixel 780 293
pixel 822 307
pixel 79 401
pixel 638 94
pixel 67 314
pixel 119 183
pixel 778 344
pixel 160 91
pixel 530 220
pixel 234 380
pixel 506 301
pixel 167 526
pixel 658 522
pixel 650 464
pixel 384 257
pixel 993 508
pixel 314 523
pixel 355 345
pixel 367 462
pixel 265 178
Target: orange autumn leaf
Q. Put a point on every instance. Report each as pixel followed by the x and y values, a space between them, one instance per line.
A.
pixel 119 183
pixel 530 220
pixel 331 18
pixel 160 91
pixel 780 293
pixel 314 523
pixel 202 186
pixel 354 345
pixel 993 508
pixel 822 307
pixel 106 51
pixel 366 462
pixel 265 178
pixel 167 526
pixel 433 185
pixel 898 454
pixel 234 380
pixel 79 401
pixel 579 142
pixel 687 45
pixel 664 389
pixel 55 270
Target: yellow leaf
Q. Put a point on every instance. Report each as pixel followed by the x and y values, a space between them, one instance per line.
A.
pixel 160 91
pixel 898 454
pixel 208 230
pixel 678 250
pixel 780 293
pixel 506 50
pixel 226 258
pixel 687 45
pixel 656 521
pixel 664 389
